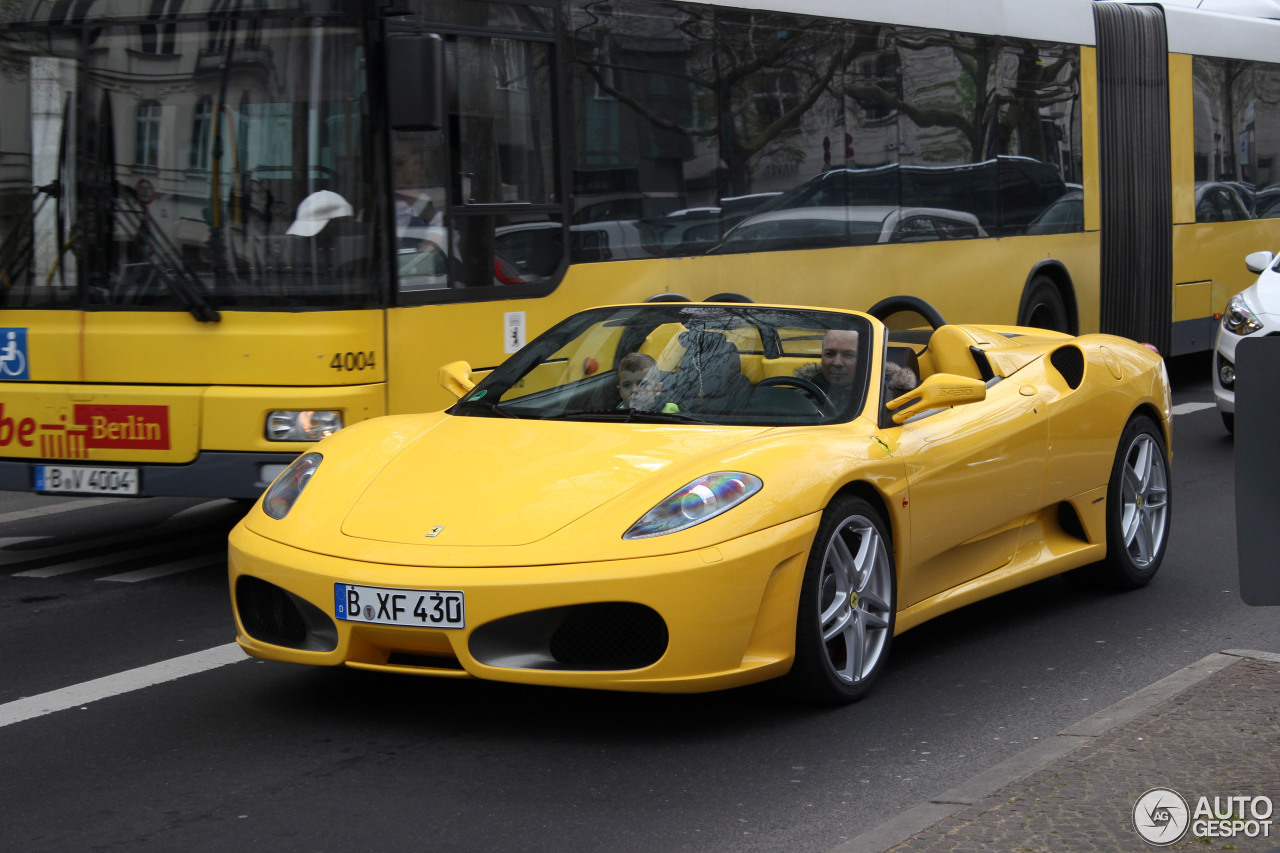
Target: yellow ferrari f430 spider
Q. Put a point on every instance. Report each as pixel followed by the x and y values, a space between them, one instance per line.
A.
pixel 693 496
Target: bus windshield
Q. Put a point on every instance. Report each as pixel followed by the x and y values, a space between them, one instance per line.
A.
pixel 186 165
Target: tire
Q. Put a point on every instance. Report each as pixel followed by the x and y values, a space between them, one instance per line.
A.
pixel 1138 508
pixel 841 650
pixel 1043 307
pixel 1229 421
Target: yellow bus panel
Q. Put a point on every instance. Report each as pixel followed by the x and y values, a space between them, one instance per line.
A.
pixel 244 348
pixel 53 343
pixel 101 423
pixel 1214 252
pixel 1182 138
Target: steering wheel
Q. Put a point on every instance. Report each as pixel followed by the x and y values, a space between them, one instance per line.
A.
pixel 891 305
pixel 819 396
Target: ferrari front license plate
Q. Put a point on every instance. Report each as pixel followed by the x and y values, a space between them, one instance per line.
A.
pixel 82 479
pixel 414 608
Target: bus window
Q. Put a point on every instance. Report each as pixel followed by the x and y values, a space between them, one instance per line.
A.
pixel 1232 100
pixel 192 197
pixel 684 111
pixel 470 197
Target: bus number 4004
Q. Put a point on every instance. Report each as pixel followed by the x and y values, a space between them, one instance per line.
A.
pixel 353 361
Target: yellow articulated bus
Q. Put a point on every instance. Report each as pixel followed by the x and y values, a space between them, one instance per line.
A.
pixel 231 227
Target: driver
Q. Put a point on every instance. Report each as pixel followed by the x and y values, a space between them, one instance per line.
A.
pixel 837 370
pixel 835 373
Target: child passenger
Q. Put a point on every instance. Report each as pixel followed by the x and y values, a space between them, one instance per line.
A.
pixel 638 382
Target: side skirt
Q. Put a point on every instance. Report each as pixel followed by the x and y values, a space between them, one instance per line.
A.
pixel 1045 549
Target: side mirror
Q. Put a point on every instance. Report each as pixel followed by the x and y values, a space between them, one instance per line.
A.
pixel 1258 261
pixel 455 377
pixel 939 391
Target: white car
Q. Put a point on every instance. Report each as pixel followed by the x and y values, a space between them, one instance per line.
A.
pixel 1255 311
pixel 827 226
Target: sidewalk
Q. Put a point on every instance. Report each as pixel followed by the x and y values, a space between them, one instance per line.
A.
pixel 1209 730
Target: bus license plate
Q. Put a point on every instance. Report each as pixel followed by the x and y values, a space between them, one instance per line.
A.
pixel 82 479
pixel 415 608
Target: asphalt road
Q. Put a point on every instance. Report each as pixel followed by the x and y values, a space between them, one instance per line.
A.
pixel 253 756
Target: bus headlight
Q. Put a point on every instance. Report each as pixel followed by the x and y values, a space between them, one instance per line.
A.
pixel 311 425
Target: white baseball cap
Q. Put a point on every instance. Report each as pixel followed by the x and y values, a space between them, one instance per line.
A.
pixel 315 212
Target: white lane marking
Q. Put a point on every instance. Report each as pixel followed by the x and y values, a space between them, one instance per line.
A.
pixel 1188 408
pixel 180 520
pixel 100 560
pixel 36 512
pixel 199 508
pixel 26 556
pixel 202 562
pixel 6 541
pixel 122 682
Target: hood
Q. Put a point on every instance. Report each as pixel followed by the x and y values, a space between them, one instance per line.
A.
pixel 490 481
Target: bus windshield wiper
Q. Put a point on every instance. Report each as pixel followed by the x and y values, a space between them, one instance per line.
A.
pixel 166 262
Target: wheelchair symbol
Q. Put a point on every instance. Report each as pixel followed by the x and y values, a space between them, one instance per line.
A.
pixel 13 361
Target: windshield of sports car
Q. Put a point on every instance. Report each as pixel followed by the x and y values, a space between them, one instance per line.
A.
pixel 686 363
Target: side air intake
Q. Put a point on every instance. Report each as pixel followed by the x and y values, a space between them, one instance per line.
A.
pixel 1069 361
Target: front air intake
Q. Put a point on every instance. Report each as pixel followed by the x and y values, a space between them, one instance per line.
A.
pixel 613 635
pixel 273 615
pixel 598 637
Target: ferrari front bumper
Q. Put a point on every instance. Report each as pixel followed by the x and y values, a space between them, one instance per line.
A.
pixel 694 621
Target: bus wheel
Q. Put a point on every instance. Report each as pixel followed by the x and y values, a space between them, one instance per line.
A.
pixel 1043 307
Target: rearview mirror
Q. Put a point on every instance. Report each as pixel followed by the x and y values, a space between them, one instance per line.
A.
pixel 455 377
pixel 939 391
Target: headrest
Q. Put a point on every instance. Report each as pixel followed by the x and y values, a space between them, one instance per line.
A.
pixel 705 345
pixel 710 369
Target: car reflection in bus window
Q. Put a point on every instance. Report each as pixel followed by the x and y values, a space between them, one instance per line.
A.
pixel 1220 202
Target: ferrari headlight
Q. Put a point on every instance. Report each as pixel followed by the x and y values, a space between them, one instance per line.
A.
pixel 1239 317
pixel 289 485
pixel 311 425
pixel 704 498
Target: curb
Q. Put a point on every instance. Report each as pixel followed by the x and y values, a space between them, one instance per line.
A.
pixel 916 820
